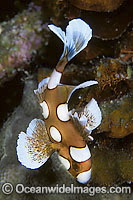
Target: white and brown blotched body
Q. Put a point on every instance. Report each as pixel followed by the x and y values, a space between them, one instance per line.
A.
pixel 58 131
pixel 73 151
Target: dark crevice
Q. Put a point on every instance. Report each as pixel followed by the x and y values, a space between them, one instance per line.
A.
pixel 11 94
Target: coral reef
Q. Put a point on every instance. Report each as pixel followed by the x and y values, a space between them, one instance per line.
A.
pixel 108 25
pixel 97 5
pixel 126 49
pixel 117 117
pixel 20 39
pixel 109 28
pixel 110 72
pixel 26 42
pixel 112 160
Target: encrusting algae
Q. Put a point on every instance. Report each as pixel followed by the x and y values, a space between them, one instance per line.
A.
pixel 117 117
pixel 110 73
pixel 20 39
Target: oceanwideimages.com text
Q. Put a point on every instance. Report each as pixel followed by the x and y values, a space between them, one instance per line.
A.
pixel 8 188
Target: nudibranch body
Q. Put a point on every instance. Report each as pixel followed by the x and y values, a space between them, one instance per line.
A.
pixel 58 132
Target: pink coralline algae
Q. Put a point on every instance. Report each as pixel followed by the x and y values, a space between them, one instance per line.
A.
pixel 20 38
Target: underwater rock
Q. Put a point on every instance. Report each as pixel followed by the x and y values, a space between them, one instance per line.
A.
pixel 20 39
pixel 110 72
pixel 112 75
pixel 99 48
pixel 117 117
pixel 112 160
pixel 53 10
pixel 10 170
pixel 11 96
pixel 107 26
pixel 109 29
pixel 11 174
pixel 28 107
pixel 126 49
pixel 97 5
pixel 75 74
